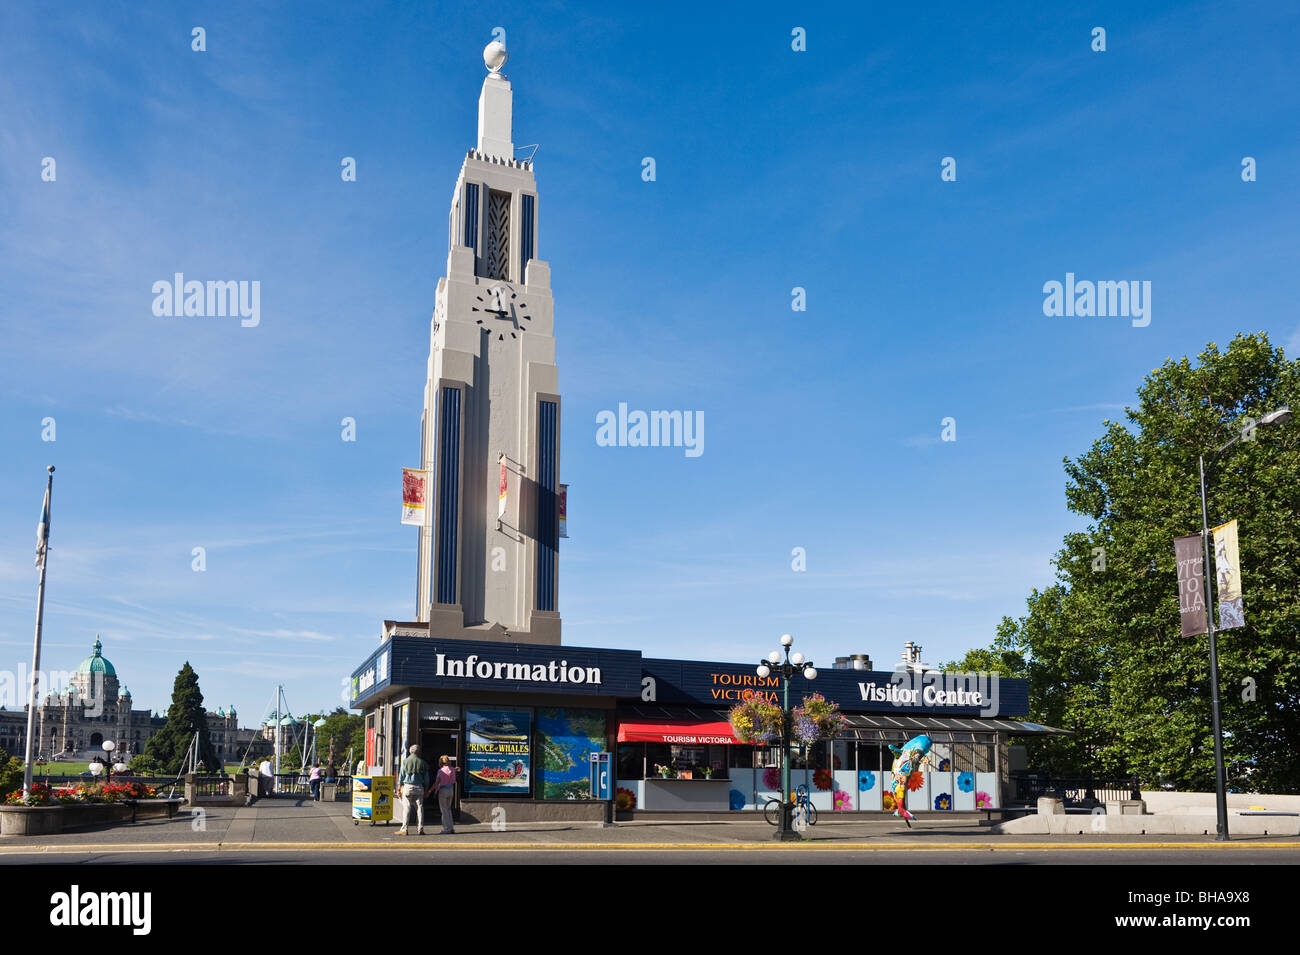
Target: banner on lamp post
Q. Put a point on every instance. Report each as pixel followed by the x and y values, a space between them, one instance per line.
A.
pixel 1227 576
pixel 1191 583
pixel 564 510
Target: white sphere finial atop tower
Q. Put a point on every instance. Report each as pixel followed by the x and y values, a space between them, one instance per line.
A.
pixel 495 56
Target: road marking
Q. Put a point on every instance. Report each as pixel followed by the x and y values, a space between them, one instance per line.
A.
pixel 100 848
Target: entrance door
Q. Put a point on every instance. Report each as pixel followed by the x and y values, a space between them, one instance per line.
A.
pixel 434 744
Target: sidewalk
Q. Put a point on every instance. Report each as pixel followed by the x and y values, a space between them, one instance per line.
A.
pixel 289 822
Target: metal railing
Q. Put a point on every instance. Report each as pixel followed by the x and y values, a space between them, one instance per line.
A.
pixel 213 787
pixel 299 784
pixel 1078 792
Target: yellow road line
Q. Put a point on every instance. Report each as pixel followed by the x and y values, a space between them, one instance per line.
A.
pixel 648 846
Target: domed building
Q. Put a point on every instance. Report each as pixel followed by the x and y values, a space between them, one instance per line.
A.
pixel 73 723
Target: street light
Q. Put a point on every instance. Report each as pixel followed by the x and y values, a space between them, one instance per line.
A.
pixel 794 663
pixel 109 746
pixel 1280 416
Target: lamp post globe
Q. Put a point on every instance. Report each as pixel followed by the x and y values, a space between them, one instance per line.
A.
pixel 764 671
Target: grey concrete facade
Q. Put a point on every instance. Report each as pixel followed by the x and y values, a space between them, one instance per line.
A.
pixel 492 339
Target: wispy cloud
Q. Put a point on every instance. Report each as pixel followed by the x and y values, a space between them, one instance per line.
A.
pixel 310 635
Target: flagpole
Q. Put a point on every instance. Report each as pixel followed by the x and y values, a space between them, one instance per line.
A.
pixel 43 554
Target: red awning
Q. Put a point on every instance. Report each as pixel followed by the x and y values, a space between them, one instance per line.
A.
pixel 685 734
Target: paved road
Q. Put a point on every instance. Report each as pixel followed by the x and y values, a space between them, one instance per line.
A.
pixel 578 854
pixel 296 831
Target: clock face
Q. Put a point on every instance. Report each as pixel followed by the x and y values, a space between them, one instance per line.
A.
pixel 503 312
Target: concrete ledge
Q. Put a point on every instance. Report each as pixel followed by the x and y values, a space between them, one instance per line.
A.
pixel 159 808
pixel 562 810
pixel 82 815
pixel 1159 801
pixel 1165 823
pixel 30 820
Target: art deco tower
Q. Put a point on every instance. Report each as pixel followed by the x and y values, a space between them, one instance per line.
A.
pixel 492 390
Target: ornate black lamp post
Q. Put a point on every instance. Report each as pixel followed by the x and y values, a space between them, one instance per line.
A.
pixel 793 663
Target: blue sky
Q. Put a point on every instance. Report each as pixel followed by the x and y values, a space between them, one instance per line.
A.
pixel 774 169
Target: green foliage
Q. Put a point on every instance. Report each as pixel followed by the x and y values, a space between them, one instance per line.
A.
pixel 185 716
pixel 11 773
pixel 346 729
pixel 1102 648
pixel 1003 658
pixel 143 765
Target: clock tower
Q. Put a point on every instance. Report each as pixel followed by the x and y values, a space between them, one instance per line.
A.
pixel 489 564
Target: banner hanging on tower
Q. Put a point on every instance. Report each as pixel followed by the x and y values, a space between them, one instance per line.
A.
pixel 415 496
pixel 501 494
pixel 1227 575
pixel 564 510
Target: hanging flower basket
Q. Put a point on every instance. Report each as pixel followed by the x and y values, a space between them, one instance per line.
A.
pixel 817 719
pixel 756 721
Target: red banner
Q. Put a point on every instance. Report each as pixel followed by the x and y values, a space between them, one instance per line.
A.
pixel 684 734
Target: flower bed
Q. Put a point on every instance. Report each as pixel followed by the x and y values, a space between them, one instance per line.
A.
pixel 45 810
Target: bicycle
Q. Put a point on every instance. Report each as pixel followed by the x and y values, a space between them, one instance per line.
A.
pixel 804 815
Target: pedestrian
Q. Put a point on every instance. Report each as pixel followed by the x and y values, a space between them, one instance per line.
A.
pixel 313 780
pixel 331 773
pixel 265 778
pixel 446 789
pixel 413 780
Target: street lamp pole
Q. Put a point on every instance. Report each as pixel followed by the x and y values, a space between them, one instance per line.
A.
pixel 787 668
pixel 1220 773
pixel 1280 416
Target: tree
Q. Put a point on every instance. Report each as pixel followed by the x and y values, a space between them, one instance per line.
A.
pixel 346 729
pixel 185 717
pixel 142 765
pixel 11 774
pixel 1102 647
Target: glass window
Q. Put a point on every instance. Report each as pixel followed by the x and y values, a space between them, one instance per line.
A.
pixel 686 759
pixel 843 756
pixel 741 757
pixel 631 760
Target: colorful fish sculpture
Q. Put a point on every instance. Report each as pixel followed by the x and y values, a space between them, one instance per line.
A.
pixel 908 759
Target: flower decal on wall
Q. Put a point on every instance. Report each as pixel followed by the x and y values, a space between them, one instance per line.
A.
pixel 843 801
pixel 943 801
pixel 822 779
pixel 771 778
pixel 736 799
pixel 983 801
pixel 944 766
pixel 866 781
pixel 965 782
pixel 624 799
pixel 915 781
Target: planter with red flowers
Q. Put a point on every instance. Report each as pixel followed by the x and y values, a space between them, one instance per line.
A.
pixel 45 811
